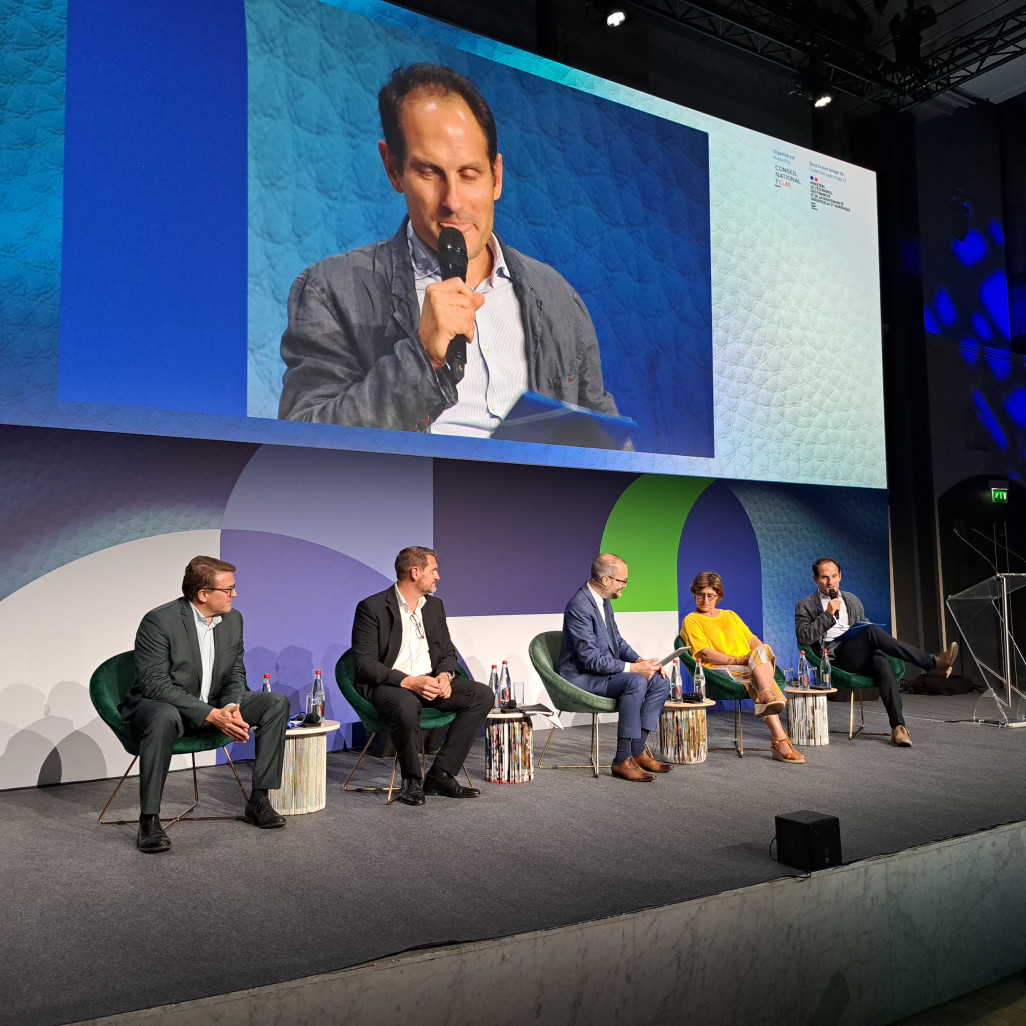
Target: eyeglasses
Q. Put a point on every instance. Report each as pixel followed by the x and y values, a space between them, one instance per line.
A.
pixel 619 581
pixel 228 591
pixel 707 596
pixel 416 625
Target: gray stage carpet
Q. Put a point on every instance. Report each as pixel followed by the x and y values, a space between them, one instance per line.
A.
pixel 91 927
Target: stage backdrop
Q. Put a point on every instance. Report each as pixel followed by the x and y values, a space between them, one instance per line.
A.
pixel 98 527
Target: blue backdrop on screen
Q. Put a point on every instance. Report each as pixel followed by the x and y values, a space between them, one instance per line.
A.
pixel 153 283
pixel 615 199
pixel 158 205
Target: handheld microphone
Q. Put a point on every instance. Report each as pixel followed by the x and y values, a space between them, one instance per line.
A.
pixel 832 593
pixel 452 260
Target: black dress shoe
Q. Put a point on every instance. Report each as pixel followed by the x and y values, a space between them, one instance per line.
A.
pixel 260 812
pixel 151 838
pixel 438 781
pixel 412 791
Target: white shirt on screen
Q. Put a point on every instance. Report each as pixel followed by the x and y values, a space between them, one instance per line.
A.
pixel 496 372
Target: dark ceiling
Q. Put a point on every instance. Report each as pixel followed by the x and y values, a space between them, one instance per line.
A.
pixel 904 54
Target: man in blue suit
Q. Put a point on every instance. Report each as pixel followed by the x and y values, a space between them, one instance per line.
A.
pixel 595 657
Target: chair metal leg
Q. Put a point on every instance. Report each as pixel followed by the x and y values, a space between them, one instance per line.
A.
pixel 593 753
pixel 391 783
pixel 182 816
pixel 124 777
pixel 854 732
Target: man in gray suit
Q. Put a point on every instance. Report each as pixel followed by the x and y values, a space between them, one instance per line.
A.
pixel 191 679
pixel 826 618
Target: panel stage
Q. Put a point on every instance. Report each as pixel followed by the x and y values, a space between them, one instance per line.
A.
pixel 92 927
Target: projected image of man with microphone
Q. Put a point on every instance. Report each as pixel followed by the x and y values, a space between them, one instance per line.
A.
pixel 391 335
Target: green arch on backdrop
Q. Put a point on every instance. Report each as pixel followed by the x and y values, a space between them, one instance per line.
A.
pixel 644 528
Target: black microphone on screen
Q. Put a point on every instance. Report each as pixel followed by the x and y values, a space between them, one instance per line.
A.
pixel 832 593
pixel 452 261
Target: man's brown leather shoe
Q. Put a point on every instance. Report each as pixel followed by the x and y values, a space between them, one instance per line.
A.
pixel 899 736
pixel 945 660
pixel 647 761
pixel 630 770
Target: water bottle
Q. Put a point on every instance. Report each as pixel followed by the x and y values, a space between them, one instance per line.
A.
pixel 825 670
pixel 315 702
pixel 505 684
pixel 803 671
pixel 267 682
pixel 676 693
pixel 699 678
pixel 493 682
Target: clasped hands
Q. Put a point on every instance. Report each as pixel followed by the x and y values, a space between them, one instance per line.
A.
pixel 450 308
pixel 230 722
pixel 429 688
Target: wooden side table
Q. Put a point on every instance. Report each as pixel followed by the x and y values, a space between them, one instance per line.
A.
pixel 304 771
pixel 682 731
pixel 508 748
pixel 807 722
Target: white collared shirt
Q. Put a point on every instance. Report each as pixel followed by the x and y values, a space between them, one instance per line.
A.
pixel 205 636
pixel 496 372
pixel 601 603
pixel 413 659
pixel 842 623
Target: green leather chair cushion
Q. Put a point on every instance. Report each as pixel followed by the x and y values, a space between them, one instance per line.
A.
pixel 853 681
pixel 110 683
pixel 345 677
pixel 566 697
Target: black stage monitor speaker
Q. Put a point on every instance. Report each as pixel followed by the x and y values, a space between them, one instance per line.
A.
pixel 808 840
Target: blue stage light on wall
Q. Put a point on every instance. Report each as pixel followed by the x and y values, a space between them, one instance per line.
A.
pixel 999 361
pixel 930 323
pixel 1015 405
pixel 969 350
pixel 970 250
pixel 945 307
pixel 994 297
pixel 997 231
pixel 982 327
pixel 988 420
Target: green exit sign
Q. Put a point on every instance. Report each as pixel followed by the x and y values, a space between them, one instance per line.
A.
pixel 999 495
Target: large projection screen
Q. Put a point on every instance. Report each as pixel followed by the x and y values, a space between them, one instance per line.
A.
pixel 171 168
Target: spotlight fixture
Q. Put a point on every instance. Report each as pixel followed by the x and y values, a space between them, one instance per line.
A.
pixel 616 14
pixel 810 84
pixel 611 13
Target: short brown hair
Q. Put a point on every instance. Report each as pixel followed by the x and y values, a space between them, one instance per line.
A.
pixel 824 559
pixel 439 80
pixel 410 557
pixel 707 579
pixel 202 573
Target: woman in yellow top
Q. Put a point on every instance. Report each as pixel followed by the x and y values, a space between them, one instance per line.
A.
pixel 720 639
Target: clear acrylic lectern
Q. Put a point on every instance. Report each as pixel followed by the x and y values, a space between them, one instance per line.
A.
pixel 984 616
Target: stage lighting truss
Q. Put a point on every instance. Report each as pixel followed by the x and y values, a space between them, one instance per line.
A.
pixel 773 32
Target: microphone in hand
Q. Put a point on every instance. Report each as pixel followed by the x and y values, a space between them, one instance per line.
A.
pixel 832 594
pixel 452 261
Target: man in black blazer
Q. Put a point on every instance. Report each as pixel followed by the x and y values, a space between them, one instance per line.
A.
pixel 595 657
pixel 190 679
pixel 405 660
pixel 825 619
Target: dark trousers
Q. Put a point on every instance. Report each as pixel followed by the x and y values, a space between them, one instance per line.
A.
pixel 400 709
pixel 641 701
pixel 157 725
pixel 866 653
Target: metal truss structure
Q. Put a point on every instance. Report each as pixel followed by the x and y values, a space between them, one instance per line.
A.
pixel 837 46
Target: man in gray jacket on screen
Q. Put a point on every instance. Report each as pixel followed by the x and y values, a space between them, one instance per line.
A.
pixel 369 331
